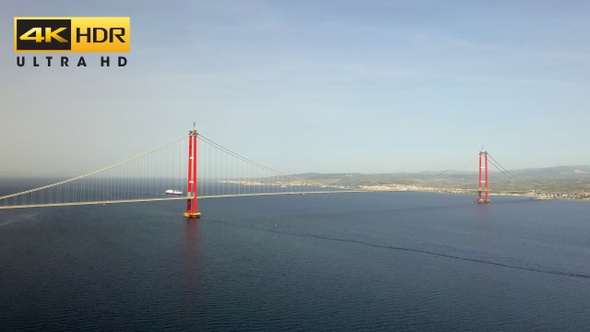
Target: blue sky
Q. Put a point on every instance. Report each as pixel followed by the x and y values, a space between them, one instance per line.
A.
pixel 310 86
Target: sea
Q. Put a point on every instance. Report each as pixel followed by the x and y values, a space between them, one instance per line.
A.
pixel 397 261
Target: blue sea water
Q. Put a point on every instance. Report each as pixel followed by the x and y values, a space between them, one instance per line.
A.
pixel 362 262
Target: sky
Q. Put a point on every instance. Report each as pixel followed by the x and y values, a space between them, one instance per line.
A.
pixel 309 86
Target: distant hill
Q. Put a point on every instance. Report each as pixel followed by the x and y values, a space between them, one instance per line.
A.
pixel 559 172
pixel 551 179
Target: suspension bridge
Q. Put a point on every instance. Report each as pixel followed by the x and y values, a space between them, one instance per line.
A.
pixel 193 167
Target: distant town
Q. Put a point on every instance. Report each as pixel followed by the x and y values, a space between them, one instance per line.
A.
pixel 563 182
pixel 535 194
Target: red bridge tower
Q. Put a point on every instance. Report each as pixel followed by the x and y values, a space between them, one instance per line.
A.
pixel 191 190
pixel 484 184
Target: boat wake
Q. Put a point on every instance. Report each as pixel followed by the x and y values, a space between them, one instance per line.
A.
pixel 432 253
pixel 424 252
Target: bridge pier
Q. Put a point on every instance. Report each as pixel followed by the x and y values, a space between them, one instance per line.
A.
pixel 191 190
pixel 483 178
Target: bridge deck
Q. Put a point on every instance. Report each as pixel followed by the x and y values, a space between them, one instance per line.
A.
pixel 237 195
pixel 169 199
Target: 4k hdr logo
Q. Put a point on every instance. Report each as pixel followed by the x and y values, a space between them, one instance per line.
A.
pixel 71 34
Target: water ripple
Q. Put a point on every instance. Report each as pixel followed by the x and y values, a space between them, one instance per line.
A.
pixel 22 217
pixel 420 251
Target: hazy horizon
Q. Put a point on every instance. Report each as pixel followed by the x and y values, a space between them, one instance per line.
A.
pixel 63 176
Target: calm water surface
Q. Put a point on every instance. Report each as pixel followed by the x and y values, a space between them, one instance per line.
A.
pixel 374 261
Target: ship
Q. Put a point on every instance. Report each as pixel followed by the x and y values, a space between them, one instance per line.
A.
pixel 173 192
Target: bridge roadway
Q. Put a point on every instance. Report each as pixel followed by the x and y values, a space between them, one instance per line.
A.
pixel 455 191
pixel 7 207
